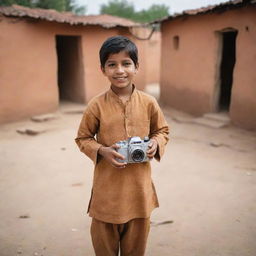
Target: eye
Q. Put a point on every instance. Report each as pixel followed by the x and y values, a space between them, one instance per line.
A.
pixel 111 65
pixel 126 64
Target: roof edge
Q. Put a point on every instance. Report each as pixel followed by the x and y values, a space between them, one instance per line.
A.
pixel 104 20
pixel 232 4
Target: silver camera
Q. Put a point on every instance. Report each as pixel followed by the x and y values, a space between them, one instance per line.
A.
pixel 134 150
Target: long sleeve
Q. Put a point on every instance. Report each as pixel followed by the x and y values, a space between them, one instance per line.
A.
pixel 159 130
pixel 106 121
pixel 86 135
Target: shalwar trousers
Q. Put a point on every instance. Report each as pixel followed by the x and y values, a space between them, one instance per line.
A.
pixel 130 238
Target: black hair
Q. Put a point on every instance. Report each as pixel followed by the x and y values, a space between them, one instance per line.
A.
pixel 116 44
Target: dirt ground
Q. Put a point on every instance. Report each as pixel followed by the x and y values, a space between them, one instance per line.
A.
pixel 206 185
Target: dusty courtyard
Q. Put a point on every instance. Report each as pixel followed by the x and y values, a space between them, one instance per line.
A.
pixel 206 185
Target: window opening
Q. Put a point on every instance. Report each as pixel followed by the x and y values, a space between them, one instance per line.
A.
pixel 176 42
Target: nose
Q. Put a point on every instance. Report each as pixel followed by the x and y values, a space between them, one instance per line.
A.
pixel 119 69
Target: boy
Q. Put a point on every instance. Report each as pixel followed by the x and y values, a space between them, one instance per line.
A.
pixel 123 194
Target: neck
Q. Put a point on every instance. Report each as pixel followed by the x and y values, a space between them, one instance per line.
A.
pixel 123 92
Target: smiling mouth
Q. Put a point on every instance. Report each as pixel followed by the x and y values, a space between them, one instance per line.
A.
pixel 120 78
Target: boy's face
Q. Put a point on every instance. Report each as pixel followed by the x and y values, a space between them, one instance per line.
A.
pixel 120 70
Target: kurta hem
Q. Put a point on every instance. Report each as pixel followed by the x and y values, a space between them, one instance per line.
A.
pixel 121 220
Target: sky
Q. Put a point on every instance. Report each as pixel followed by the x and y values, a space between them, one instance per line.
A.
pixel 175 6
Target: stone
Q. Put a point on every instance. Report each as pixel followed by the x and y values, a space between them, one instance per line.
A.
pixel 44 118
pixel 30 130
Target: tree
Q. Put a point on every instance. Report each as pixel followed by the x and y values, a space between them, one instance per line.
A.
pixel 19 2
pixel 59 5
pixel 154 12
pixel 123 8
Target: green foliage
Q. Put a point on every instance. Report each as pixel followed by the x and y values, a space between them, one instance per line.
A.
pixel 120 8
pixel 123 8
pixel 154 12
pixel 19 2
pixel 59 5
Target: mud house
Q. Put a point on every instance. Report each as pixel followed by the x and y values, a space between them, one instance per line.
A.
pixel 47 56
pixel 209 61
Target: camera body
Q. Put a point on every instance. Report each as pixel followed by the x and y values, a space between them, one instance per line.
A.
pixel 134 150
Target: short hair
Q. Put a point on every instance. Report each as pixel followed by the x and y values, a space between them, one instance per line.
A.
pixel 116 44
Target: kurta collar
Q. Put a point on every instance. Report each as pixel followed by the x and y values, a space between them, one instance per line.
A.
pixel 115 96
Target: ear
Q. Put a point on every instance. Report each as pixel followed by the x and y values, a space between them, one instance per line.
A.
pixel 102 69
pixel 137 67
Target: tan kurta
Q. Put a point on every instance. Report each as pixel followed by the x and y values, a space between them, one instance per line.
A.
pixel 121 194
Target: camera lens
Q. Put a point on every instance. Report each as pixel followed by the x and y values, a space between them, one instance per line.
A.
pixel 137 155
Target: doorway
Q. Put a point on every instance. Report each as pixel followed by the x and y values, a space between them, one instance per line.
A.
pixel 70 68
pixel 228 60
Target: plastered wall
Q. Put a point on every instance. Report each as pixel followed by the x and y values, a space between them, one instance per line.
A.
pixel 153 56
pixel 190 74
pixel 27 73
pixel 29 65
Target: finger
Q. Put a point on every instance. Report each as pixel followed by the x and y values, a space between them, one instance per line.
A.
pixel 115 146
pixel 150 155
pixel 152 143
pixel 117 155
pixel 151 150
pixel 118 164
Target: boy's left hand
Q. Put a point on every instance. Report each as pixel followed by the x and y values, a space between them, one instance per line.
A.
pixel 152 148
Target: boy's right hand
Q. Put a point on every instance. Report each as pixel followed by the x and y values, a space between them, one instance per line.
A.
pixel 110 154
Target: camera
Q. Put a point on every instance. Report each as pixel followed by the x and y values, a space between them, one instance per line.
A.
pixel 134 150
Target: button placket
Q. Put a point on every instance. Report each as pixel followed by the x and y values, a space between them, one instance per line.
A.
pixel 127 120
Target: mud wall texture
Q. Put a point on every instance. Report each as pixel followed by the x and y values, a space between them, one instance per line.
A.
pixel 153 54
pixel 38 69
pixel 191 58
